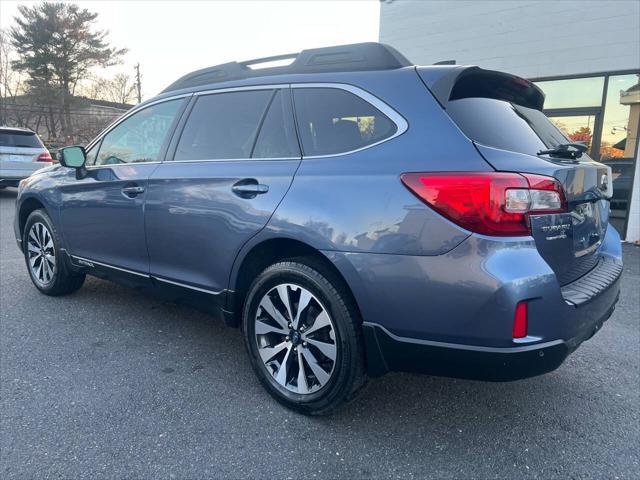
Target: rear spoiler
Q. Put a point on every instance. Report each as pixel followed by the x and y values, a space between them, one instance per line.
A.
pixel 453 82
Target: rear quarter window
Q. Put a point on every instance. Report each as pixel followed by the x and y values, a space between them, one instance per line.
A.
pixel 332 121
pixel 19 139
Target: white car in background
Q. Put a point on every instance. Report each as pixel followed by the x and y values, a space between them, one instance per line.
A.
pixel 21 153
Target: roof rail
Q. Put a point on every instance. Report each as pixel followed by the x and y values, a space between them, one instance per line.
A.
pixel 341 58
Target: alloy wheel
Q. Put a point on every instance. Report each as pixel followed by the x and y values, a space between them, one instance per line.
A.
pixel 41 253
pixel 296 338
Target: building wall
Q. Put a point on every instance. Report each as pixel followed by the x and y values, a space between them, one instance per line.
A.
pixel 560 37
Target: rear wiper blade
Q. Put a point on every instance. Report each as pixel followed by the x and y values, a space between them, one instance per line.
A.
pixel 573 150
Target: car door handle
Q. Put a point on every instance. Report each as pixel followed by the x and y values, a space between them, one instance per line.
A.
pixel 249 188
pixel 132 191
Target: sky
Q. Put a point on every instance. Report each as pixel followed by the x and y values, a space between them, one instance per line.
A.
pixel 171 38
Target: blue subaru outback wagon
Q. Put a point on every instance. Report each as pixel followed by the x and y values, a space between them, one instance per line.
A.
pixel 351 212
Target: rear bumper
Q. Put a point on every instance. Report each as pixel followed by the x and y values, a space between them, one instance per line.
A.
pixel 389 352
pixel 453 314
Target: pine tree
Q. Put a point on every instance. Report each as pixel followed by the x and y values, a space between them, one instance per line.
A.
pixel 57 45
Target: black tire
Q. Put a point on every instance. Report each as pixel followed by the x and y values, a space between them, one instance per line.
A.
pixel 63 281
pixel 348 375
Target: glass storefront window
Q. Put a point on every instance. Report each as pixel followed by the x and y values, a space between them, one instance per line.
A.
pixel 577 128
pixel 572 93
pixel 620 136
pixel 621 112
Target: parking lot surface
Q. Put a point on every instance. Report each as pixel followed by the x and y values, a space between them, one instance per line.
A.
pixel 109 382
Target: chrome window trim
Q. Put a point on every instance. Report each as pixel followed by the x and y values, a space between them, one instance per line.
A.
pixel 94 167
pixel 231 160
pixel 272 86
pixel 401 123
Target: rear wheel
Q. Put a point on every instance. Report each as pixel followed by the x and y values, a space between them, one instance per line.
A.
pixel 303 337
pixel 47 269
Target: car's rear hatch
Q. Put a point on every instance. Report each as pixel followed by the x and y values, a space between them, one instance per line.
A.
pixel 502 115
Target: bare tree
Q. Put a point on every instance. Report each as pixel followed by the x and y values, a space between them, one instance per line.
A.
pixel 119 89
pixel 10 81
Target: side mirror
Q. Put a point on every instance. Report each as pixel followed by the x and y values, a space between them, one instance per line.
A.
pixel 72 157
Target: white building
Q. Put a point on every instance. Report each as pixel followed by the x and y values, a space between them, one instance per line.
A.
pixel 585 55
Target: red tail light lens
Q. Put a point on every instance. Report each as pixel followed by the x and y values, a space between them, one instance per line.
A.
pixel 44 157
pixel 495 203
pixel 520 321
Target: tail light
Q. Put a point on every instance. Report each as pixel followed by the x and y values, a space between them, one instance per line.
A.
pixel 44 157
pixel 494 203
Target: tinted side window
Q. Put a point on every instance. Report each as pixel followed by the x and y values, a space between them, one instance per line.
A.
pixel 140 137
pixel 223 125
pixel 277 137
pixel 332 120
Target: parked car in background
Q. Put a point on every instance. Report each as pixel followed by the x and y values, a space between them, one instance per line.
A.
pixel 352 212
pixel 21 153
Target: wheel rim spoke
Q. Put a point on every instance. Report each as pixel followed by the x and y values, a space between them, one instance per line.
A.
pixel 283 293
pixel 327 349
pixel 51 260
pixel 40 234
pixel 268 306
pixel 295 361
pixel 267 353
pixel 281 375
pixel 45 270
pixel 263 328
pixel 32 236
pixel 321 321
pixel 317 370
pixel 39 270
pixel 305 298
pixel 303 387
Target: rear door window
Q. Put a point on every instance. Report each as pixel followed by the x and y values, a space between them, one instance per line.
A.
pixel 223 126
pixel 19 139
pixel 332 121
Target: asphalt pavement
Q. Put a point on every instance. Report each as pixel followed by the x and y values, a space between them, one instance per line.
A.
pixel 110 382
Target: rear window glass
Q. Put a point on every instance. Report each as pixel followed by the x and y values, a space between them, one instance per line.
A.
pixel 504 125
pixel 332 120
pixel 19 139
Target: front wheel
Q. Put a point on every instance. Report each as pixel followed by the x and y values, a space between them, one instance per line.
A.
pixel 47 268
pixel 304 337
